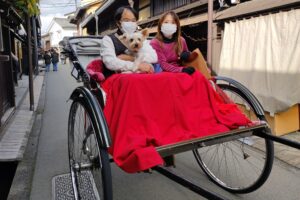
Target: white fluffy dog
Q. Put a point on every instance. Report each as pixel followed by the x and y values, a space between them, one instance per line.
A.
pixel 134 43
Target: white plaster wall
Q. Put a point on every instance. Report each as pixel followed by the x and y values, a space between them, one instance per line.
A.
pixel 68 33
pixel 57 33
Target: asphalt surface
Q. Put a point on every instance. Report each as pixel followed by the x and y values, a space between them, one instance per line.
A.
pixel 52 160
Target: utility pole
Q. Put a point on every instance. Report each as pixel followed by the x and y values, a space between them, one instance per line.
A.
pixel 35 49
pixel 209 32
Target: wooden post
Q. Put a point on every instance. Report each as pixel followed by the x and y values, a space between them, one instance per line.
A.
pixel 29 47
pixel 97 29
pixel 35 54
pixel 209 32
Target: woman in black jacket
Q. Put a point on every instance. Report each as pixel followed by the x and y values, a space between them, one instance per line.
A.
pixel 55 59
pixel 47 58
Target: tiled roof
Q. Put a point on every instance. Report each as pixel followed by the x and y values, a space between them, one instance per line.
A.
pixel 64 23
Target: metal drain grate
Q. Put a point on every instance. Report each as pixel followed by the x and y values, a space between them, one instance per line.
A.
pixel 62 187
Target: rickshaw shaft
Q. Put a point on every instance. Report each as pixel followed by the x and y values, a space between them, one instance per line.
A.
pixel 281 140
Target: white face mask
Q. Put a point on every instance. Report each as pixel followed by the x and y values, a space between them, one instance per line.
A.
pixel 128 27
pixel 168 29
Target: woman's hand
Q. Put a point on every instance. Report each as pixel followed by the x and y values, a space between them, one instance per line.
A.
pixel 188 70
pixel 146 68
pixel 126 57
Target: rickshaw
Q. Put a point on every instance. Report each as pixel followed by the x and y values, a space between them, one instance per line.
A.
pixel 229 159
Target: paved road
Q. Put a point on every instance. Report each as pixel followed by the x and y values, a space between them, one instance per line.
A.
pixel 284 182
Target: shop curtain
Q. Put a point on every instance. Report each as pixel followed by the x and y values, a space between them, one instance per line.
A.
pixel 263 53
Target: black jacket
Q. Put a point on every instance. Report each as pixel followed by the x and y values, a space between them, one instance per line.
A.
pixel 55 57
pixel 47 59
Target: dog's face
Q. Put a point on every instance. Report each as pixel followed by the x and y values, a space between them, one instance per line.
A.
pixel 135 40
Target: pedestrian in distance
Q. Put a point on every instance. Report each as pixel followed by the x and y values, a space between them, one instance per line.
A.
pixel 54 59
pixel 63 59
pixel 47 58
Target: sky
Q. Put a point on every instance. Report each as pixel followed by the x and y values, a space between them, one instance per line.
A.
pixel 55 8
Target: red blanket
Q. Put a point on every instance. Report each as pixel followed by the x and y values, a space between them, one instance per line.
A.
pixel 144 111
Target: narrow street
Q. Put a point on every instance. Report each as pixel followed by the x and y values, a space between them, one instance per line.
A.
pixel 52 160
pixel 52 156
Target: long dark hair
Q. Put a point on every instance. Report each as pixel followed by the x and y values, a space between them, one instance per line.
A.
pixel 178 45
pixel 119 12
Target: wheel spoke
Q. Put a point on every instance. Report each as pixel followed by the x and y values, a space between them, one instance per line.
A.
pixel 84 152
pixel 235 165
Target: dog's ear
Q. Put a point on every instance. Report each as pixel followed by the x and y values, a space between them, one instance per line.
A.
pixel 123 37
pixel 145 32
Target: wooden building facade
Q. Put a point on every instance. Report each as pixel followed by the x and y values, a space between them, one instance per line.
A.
pixel 86 8
pixel 13 41
pixel 192 14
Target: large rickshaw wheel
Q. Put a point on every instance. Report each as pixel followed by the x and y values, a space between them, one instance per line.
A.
pixel 89 162
pixel 243 165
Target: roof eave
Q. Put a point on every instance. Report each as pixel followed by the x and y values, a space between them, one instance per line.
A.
pixel 253 8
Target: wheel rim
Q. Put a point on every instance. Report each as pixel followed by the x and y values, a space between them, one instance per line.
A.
pixel 84 156
pixel 236 165
pixel 230 167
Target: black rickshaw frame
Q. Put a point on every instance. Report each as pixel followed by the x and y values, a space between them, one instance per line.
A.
pixel 90 91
